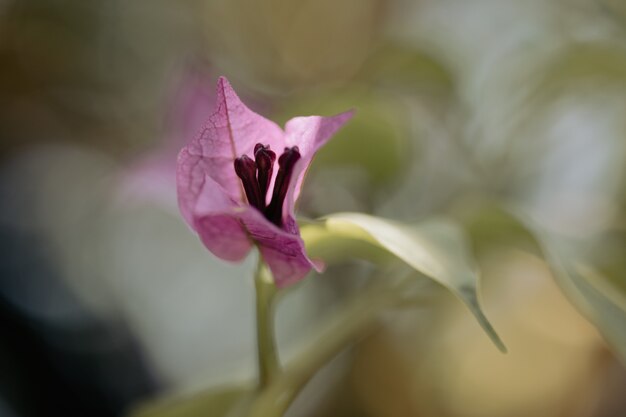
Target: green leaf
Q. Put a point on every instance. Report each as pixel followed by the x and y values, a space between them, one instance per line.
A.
pixel 588 288
pixel 214 403
pixel 436 248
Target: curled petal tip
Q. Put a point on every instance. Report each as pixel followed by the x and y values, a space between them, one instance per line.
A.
pixel 318 265
pixel 221 80
pixel 345 116
pixel 349 113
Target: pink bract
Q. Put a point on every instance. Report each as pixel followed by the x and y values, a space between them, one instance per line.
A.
pixel 211 196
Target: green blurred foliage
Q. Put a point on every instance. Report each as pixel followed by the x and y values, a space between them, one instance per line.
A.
pixel 615 9
pixel 588 289
pixel 375 140
pixel 436 248
pixel 491 227
pixel 278 45
pixel 213 403
pixel 583 65
pixel 609 258
pixel 88 72
pixel 408 69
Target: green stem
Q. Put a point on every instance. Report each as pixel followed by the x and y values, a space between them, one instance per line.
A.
pixel 354 321
pixel 266 346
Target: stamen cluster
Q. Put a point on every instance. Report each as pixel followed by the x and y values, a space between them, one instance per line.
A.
pixel 256 175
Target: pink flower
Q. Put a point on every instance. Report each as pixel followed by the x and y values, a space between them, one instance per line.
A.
pixel 234 191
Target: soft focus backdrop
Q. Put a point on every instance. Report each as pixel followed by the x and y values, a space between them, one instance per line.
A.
pixel 464 107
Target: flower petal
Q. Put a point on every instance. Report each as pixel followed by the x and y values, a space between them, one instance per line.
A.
pixel 309 134
pixel 190 178
pixel 283 252
pixel 211 196
pixel 212 217
pixel 231 131
pixel 228 230
pixel 223 235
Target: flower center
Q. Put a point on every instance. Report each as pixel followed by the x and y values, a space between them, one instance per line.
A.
pixel 256 175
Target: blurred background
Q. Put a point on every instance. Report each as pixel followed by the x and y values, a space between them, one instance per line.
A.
pixel 464 108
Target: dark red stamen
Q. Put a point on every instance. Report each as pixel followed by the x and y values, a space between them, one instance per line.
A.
pixel 264 158
pixel 256 176
pixel 246 169
pixel 286 162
